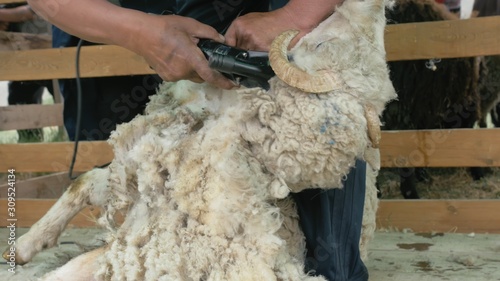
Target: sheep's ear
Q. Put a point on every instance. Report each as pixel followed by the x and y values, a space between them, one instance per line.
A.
pixel 320 82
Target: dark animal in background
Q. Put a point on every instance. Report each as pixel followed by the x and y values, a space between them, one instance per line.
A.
pixel 489 90
pixel 433 94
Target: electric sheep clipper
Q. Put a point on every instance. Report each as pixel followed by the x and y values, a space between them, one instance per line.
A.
pixel 248 68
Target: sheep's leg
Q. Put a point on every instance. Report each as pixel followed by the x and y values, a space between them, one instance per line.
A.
pixel 408 183
pixel 88 189
pixel 495 114
pixel 81 268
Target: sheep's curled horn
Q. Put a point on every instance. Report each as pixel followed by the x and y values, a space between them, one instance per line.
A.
pixel 321 82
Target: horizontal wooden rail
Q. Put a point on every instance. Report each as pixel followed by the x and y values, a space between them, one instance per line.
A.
pixel 427 148
pixel 441 148
pixel 95 61
pixel 29 211
pixel 49 186
pixel 54 157
pixel 29 116
pixel 17 41
pixel 12 1
pixel 442 39
pixel 461 216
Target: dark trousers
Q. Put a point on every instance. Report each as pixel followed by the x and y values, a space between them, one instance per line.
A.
pixel 331 221
pixel 106 102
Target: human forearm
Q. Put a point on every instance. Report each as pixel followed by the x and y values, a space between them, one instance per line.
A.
pixel 18 14
pixel 168 43
pixel 93 20
pixel 302 15
pixel 308 14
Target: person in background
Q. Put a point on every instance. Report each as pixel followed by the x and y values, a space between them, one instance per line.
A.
pixel 330 219
pixel 453 6
pixel 15 14
pixel 486 8
pixel 21 18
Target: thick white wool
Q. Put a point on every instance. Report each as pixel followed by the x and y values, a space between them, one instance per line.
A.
pixel 203 176
pixel 306 139
pixel 201 206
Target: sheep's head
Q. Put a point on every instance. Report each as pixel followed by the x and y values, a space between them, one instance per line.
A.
pixel 344 53
pixel 332 47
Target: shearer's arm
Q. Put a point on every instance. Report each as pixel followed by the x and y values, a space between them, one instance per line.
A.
pixel 17 14
pixel 303 15
pixel 168 43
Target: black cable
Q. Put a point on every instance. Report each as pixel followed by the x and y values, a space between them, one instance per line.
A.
pixel 78 110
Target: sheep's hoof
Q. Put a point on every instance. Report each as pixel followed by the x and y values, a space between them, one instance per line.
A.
pixel 7 255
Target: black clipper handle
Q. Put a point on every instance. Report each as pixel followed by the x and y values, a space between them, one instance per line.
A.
pixel 248 68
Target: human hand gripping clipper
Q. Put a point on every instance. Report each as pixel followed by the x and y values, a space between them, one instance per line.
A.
pixel 247 68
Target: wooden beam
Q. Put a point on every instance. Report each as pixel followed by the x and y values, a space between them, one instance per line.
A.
pixel 426 148
pixel 30 116
pixel 47 187
pixel 441 148
pixel 442 39
pixel 54 157
pixel 462 216
pixel 29 211
pixel 95 61
pixel 12 1
pixel 16 41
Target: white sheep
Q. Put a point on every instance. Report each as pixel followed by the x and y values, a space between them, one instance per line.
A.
pixel 203 177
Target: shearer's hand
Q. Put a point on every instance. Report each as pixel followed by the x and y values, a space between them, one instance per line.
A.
pixel 3 25
pixel 168 43
pixel 256 31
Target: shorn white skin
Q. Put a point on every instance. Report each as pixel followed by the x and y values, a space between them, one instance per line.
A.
pixel 203 177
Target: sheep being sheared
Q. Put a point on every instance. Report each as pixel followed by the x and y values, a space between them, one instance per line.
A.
pixel 203 176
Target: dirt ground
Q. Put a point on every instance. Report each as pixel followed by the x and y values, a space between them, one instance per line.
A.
pixel 72 243
pixel 434 256
pixel 393 256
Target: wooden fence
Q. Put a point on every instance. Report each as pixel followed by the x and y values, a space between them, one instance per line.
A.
pixel 428 148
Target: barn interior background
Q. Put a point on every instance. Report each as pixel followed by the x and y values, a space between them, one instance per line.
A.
pixel 466 207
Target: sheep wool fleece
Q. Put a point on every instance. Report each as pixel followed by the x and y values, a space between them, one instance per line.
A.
pixel 204 176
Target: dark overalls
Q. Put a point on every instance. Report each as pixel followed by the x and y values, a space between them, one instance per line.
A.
pixel 330 219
